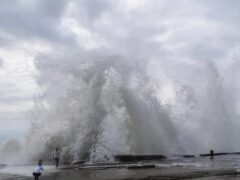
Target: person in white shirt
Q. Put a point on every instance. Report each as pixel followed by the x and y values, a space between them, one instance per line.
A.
pixel 38 170
pixel 56 156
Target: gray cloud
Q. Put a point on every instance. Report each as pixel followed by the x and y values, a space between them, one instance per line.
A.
pixel 89 11
pixel 14 99
pixel 161 30
pixel 194 30
pixel 34 20
pixel 223 11
pixel 1 62
pixel 8 88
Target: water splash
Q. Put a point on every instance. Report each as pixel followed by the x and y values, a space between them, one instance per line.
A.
pixel 101 106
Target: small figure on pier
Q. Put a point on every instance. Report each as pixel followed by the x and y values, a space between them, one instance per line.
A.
pixel 211 154
pixel 56 156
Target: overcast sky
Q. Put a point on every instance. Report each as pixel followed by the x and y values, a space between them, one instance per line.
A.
pixel 33 31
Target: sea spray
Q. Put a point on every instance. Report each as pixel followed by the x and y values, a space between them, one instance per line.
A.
pixel 99 115
pixel 99 106
pixel 8 151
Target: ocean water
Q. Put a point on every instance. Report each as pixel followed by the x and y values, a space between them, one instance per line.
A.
pixel 168 168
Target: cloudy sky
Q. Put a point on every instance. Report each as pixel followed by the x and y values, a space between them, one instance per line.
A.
pixel 32 32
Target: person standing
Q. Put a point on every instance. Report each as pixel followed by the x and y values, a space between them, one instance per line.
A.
pixel 38 170
pixel 56 156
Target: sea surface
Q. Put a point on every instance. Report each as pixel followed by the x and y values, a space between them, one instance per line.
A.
pixel 199 168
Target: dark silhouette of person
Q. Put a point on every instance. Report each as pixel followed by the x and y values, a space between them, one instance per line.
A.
pixel 56 156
